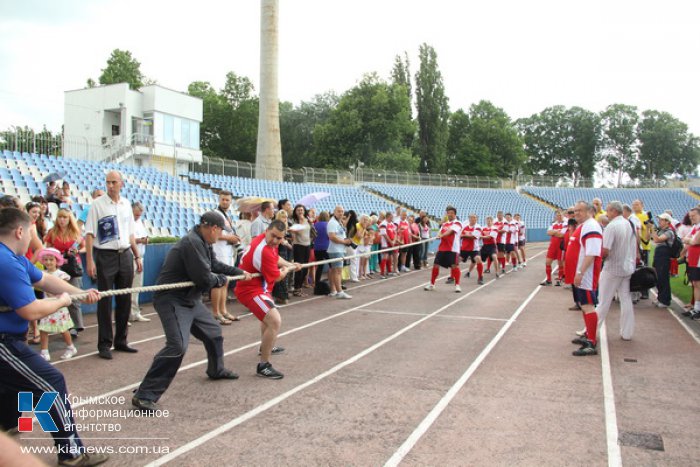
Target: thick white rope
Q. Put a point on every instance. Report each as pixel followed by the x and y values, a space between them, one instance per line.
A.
pixel 182 285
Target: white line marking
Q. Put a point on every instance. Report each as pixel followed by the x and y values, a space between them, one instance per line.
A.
pixel 185 448
pixel 614 454
pixel 690 331
pixel 427 422
pixel 384 312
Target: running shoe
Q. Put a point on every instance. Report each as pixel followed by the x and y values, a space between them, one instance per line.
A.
pixel 450 280
pixel 429 287
pixel 458 289
pixel 468 274
pixel 343 296
pixel 275 351
pixel 265 370
pixel 480 282
pixel 545 283
pixel 558 283
pixel 588 348
pixel 487 271
pixel 69 353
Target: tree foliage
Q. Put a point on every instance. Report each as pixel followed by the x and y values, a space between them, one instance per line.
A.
pixel 121 67
pixel 665 146
pixel 619 145
pixel 433 112
pixel 298 126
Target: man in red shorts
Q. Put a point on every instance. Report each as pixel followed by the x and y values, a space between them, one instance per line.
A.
pixel 448 249
pixel 556 233
pixel 262 257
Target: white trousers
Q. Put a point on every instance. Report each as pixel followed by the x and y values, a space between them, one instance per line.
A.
pixel 354 264
pixel 137 282
pixel 610 285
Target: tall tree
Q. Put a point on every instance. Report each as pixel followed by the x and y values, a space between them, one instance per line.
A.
pixel 370 118
pixel 401 76
pixel 665 146
pixel 298 125
pixel 619 146
pixel 122 68
pixel 433 112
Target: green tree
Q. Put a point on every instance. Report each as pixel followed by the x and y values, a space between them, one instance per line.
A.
pixel 619 145
pixel 433 112
pixel 401 76
pixel 122 68
pixel 298 125
pixel 665 147
pixel 370 118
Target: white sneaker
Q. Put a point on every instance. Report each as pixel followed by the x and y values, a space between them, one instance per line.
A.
pixel 142 318
pixel 458 289
pixel 343 296
pixel 354 280
pixel 69 353
pixel 525 264
pixel 429 287
pixel 332 294
pixel 45 355
pixel 405 269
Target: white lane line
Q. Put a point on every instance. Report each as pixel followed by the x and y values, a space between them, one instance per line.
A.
pixel 384 312
pixel 614 454
pixel 690 331
pixel 427 422
pixel 185 448
pixel 241 316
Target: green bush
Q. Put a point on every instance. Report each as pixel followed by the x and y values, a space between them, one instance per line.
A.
pixel 153 240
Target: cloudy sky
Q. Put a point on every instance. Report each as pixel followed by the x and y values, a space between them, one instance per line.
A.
pixel 523 55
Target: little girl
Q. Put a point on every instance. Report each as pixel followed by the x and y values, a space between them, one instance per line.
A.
pixel 59 321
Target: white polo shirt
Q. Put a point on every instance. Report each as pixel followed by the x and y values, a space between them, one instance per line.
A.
pixel 110 223
pixel 140 232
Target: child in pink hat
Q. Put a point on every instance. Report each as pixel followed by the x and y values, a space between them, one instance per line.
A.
pixel 60 321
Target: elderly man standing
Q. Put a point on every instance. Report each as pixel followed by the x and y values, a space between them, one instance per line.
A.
pixel 583 261
pixel 336 250
pixel 262 222
pixel 111 251
pixel 141 238
pixel 620 253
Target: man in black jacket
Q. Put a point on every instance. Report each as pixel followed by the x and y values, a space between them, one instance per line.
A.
pixel 182 312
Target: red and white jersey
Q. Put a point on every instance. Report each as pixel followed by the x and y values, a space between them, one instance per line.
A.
pixel 404 232
pixel 587 240
pixel 558 227
pixel 498 225
pixel 512 235
pixel 387 231
pixel 471 244
pixel 521 231
pixel 262 258
pixel 693 253
pixel 488 235
pixel 450 241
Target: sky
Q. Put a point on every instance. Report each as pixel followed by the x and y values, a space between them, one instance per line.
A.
pixel 522 55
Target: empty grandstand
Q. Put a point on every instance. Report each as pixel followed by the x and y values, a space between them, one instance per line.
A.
pixel 655 200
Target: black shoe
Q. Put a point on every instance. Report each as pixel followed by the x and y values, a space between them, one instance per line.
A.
pixel 687 313
pixel 125 348
pixel 85 460
pixel 450 280
pixel 144 404
pixel 106 354
pixel 274 351
pixel 696 316
pixel 265 370
pixel 488 271
pixel 557 284
pixel 580 340
pixel 343 287
pixel 588 348
pixel 73 333
pixel 468 274
pixel 226 374
pixel 545 283
pixel 480 282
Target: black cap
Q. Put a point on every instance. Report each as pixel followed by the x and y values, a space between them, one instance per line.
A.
pixel 213 218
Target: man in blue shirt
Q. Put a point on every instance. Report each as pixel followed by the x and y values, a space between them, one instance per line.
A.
pixel 21 368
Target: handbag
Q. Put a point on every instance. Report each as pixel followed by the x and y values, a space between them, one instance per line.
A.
pixel 72 266
pixel 643 278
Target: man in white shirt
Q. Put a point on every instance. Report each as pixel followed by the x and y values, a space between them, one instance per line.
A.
pixel 141 238
pixel 620 253
pixel 111 251
pixel 260 224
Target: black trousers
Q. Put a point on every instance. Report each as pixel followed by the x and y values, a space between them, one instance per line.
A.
pixel 644 256
pixel 179 321
pixel 320 256
pixel 301 255
pixel 662 261
pixel 24 370
pixel 115 270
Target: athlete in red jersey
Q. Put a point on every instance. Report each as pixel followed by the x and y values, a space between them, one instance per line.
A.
pixel 471 244
pixel 262 257
pixel 511 241
pixel 522 259
pixel 583 263
pixel 387 233
pixel 556 234
pixel 500 226
pixel 692 242
pixel 448 249
pixel 488 247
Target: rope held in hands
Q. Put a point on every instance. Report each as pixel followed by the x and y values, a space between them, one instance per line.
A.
pixel 182 285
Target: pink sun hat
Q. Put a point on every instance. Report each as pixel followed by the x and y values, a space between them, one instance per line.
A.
pixel 52 252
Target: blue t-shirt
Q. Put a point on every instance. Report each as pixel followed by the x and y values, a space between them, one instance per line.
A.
pixel 321 242
pixel 17 275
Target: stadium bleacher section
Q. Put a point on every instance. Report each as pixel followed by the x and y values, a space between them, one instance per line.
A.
pixel 656 200
pixel 172 205
pixel 482 201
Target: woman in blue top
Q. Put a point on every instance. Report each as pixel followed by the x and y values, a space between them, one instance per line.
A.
pixel 321 243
